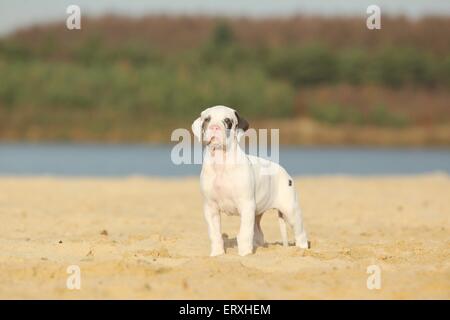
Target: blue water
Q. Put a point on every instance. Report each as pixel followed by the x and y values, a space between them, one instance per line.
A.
pixel 154 160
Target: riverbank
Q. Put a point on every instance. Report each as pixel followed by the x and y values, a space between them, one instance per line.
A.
pixel 296 131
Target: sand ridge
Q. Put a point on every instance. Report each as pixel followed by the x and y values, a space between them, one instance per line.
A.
pixel 146 238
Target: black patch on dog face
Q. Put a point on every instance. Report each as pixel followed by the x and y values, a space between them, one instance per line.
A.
pixel 205 123
pixel 228 123
pixel 290 183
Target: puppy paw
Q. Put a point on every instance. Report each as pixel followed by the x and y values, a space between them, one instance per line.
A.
pixel 217 252
pixel 302 241
pixel 303 244
pixel 245 251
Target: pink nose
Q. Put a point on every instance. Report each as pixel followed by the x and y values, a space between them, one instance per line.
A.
pixel 214 127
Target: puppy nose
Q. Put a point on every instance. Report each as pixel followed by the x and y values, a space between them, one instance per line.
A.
pixel 214 127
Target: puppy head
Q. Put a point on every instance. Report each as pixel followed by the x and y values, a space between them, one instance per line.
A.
pixel 219 126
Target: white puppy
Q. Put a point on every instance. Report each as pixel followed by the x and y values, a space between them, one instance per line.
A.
pixel 239 184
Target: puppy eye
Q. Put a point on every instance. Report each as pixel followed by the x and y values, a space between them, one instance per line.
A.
pixel 228 123
pixel 205 122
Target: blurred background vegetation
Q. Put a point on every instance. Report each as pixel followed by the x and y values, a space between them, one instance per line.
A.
pixel 125 79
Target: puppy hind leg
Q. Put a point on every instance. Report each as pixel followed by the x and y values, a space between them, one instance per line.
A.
pixel 301 239
pixel 258 237
pixel 288 204
pixel 283 229
pixel 293 217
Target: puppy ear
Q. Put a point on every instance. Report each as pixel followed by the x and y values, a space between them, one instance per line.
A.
pixel 197 128
pixel 242 123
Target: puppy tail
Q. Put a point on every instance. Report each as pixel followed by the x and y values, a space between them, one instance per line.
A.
pixel 283 229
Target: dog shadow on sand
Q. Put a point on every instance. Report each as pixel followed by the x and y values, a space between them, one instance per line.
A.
pixel 230 243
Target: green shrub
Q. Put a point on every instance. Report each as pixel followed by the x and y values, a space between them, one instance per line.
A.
pixel 444 71
pixel 352 66
pixel 338 114
pixel 398 66
pixel 14 50
pixel 222 34
pixel 310 65
pixel 381 116
pixel 170 91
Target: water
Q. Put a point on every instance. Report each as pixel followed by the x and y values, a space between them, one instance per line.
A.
pixel 154 160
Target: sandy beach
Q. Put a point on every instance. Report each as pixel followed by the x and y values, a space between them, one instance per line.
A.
pixel 146 238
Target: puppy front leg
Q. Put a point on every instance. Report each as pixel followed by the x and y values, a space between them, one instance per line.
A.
pixel 212 217
pixel 246 231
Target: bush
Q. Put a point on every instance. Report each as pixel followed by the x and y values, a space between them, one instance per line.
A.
pixel 222 35
pixel 170 91
pixel 14 50
pixel 444 71
pixel 339 114
pixel 96 77
pixel 306 66
pixel 352 66
pixel 399 66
